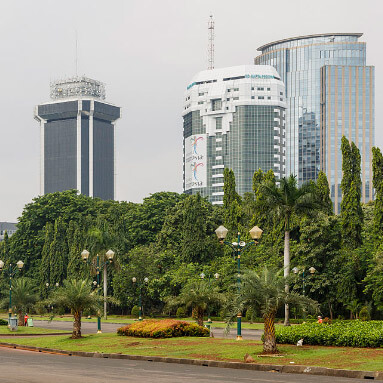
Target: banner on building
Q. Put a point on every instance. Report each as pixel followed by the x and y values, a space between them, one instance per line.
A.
pixel 196 161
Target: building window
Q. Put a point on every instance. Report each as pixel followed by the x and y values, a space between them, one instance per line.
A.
pixel 229 90
pixel 218 123
pixel 268 89
pixel 281 93
pixel 268 97
pixel 252 88
pixel 228 99
pixel 201 94
pixel 281 99
pixel 200 102
pixel 216 104
pixel 236 89
pixel 261 98
pixel 235 98
pixel 260 88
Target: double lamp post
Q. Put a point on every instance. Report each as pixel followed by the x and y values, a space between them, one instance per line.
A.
pixel 98 266
pixel 238 248
pixel 12 270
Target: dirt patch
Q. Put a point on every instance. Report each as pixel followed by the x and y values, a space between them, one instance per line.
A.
pixel 213 357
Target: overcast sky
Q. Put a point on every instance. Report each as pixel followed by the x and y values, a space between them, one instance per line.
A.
pixel 146 51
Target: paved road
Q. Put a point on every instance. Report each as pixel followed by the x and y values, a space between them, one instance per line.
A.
pixel 19 366
pixel 91 327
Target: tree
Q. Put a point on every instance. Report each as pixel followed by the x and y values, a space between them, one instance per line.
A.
pixel 231 202
pixel 197 295
pixel 323 193
pixel 377 180
pixel 264 292
pixel 58 257
pixel 286 201
pixel 76 295
pixel 44 271
pixel 24 296
pixel 351 210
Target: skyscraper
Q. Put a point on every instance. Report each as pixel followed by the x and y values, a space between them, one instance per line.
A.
pixel 233 118
pixel 77 139
pixel 329 92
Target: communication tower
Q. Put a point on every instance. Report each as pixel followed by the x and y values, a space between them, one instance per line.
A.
pixel 211 43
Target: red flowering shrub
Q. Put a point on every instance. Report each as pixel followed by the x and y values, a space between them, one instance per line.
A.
pixel 165 328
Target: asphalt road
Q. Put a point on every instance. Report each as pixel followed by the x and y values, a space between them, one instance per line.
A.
pixel 91 328
pixel 19 366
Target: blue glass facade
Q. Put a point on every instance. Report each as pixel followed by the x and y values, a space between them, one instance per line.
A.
pixel 299 62
pixel 347 109
pixel 78 147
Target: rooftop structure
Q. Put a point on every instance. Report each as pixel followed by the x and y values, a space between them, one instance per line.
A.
pixel 77 87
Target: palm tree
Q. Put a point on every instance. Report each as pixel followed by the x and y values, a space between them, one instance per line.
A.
pixel 265 292
pixel 285 201
pixel 76 295
pixel 197 295
pixel 24 296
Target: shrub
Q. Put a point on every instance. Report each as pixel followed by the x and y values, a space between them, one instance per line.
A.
pixel 341 333
pixel 135 311
pixel 364 314
pixel 166 328
pixel 3 322
pixel 181 312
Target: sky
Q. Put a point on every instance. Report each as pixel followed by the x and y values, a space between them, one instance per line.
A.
pixel 146 52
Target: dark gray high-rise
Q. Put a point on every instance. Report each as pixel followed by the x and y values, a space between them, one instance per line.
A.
pixel 77 139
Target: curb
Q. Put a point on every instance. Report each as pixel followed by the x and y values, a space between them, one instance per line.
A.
pixel 296 369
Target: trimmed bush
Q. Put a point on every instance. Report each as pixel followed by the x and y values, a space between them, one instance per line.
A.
pixel 135 311
pixel 166 328
pixel 3 322
pixel 181 312
pixel 341 333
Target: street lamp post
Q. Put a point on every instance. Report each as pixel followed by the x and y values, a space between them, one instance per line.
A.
pixel 140 284
pixel 99 265
pixel 49 287
pixel 12 269
pixel 295 270
pixel 238 247
pixel 312 270
pixel 216 276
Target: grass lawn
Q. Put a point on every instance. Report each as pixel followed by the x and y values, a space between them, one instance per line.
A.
pixel 125 320
pixel 213 349
pixel 4 330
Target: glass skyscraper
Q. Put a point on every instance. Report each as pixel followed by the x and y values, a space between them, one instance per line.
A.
pixel 233 118
pixel 308 66
pixel 77 139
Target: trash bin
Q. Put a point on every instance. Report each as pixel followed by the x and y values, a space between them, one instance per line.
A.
pixel 13 323
pixel 30 322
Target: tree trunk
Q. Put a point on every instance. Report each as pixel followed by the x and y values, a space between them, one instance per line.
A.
pixel 105 290
pixel 269 341
pixel 21 318
pixel 331 314
pixel 286 272
pixel 76 325
pixel 197 313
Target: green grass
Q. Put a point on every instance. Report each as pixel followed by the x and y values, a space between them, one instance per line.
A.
pixel 125 320
pixel 4 330
pixel 214 349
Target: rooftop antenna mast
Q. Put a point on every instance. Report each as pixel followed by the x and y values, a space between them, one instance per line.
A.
pixel 76 53
pixel 211 43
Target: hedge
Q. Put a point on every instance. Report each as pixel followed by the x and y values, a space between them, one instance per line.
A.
pixel 166 328
pixel 340 333
pixel 3 322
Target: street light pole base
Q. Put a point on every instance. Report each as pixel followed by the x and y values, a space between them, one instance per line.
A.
pixel 99 332
pixel 239 337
